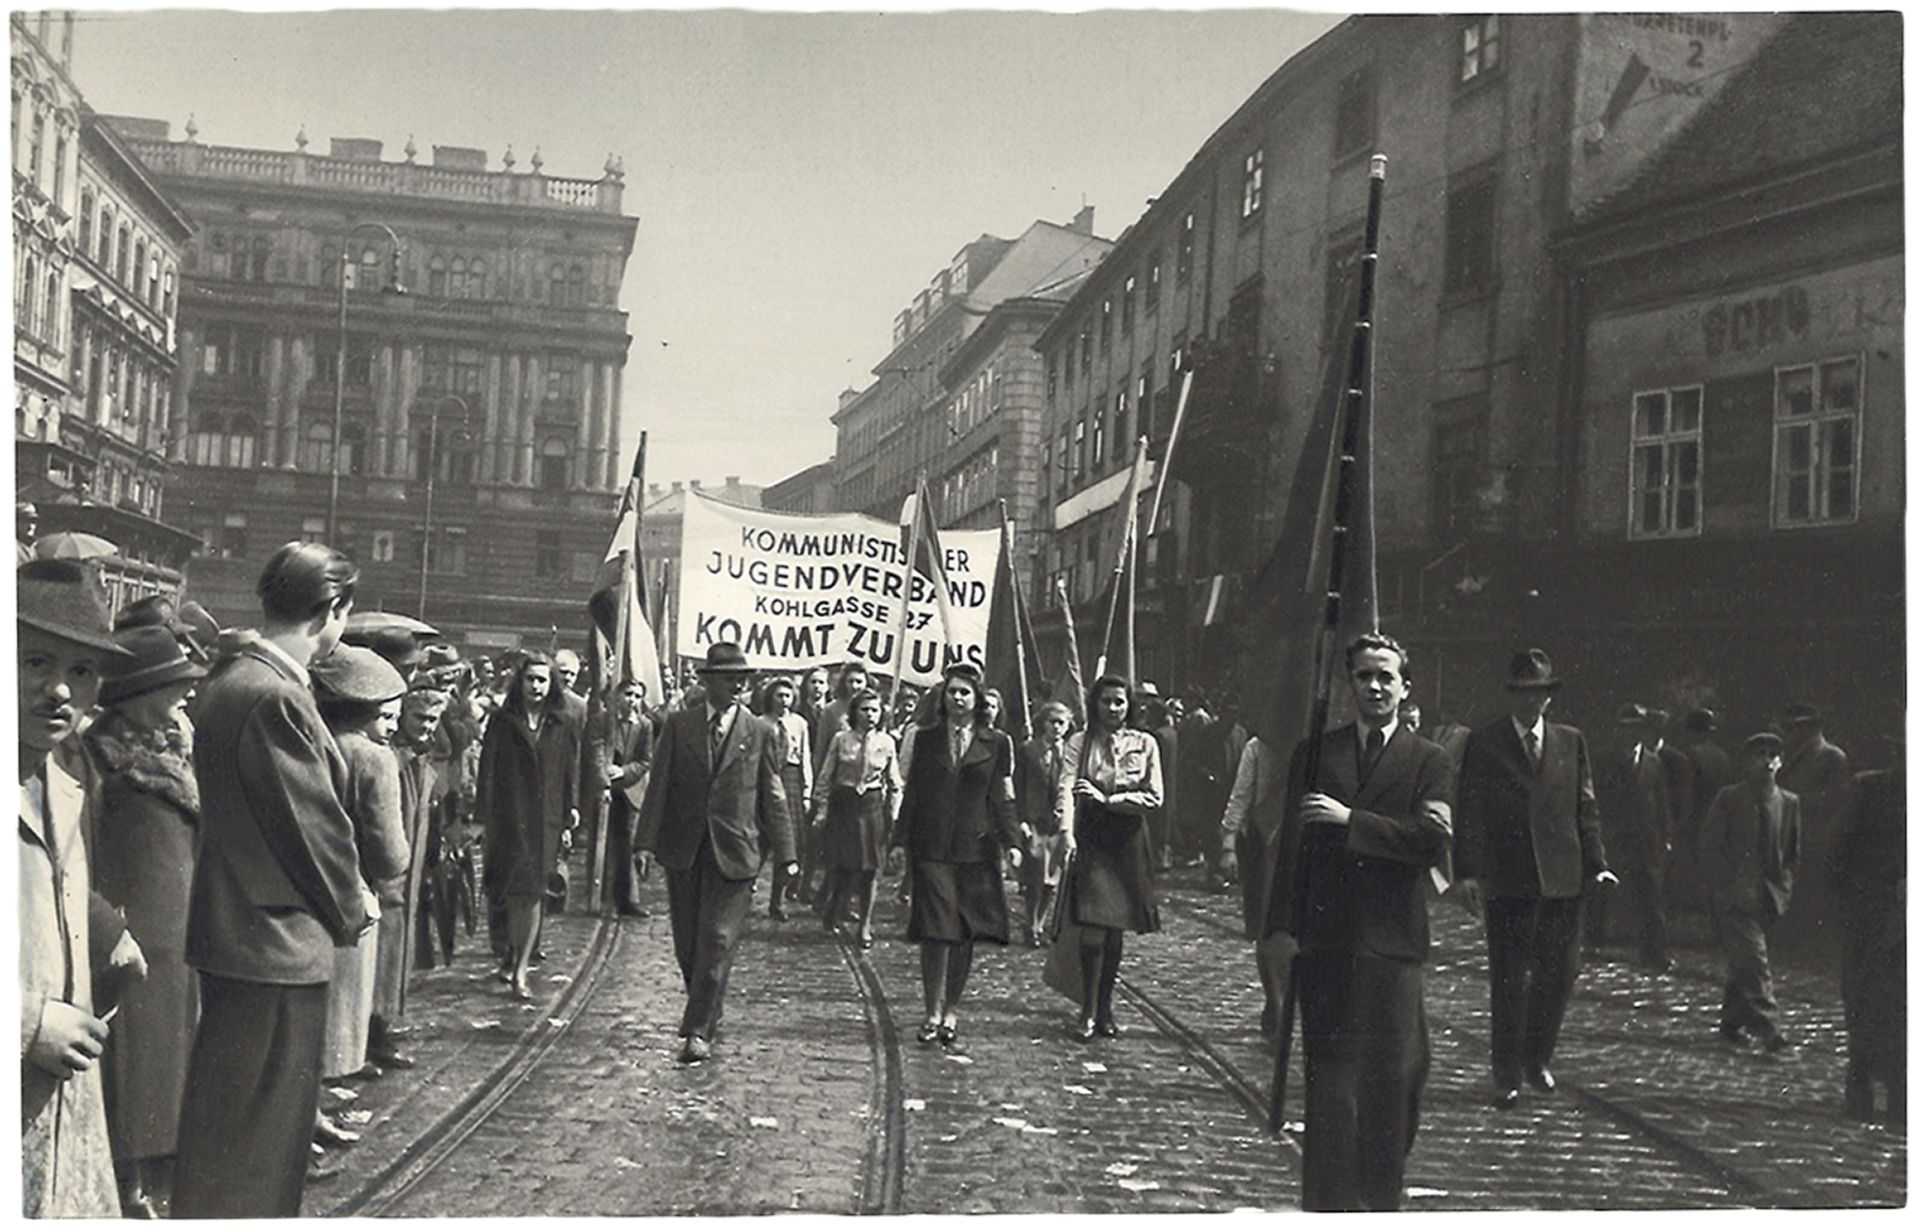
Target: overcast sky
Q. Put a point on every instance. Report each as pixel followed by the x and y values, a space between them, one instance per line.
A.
pixel 797 178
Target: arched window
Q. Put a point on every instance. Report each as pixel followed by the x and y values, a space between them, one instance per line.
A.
pixel 369 277
pixel 166 293
pixel 477 279
pixel 553 465
pixel 316 454
pixel 153 278
pixel 86 221
pixel 241 439
pixel 437 275
pixel 457 278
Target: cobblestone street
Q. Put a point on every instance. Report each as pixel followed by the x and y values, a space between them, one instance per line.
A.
pixel 818 1099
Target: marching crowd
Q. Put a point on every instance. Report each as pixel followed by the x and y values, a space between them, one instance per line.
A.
pixel 238 844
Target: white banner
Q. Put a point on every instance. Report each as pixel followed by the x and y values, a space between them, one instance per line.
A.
pixel 798 591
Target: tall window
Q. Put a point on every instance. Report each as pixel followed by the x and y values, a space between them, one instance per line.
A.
pixel 1122 430
pixel 1479 47
pixel 1106 325
pixel 23 303
pixel 1153 285
pixel 1126 305
pixel 242 439
pixel 548 552
pixel 139 266
pixel 563 377
pixel 105 258
pixel 50 309
pixel 1099 459
pixel 1459 462
pixel 1253 181
pixel 1353 114
pixel 553 465
pixel 1086 350
pixel 1183 259
pixel 166 296
pixel 39 140
pixel 1079 449
pixel 437 275
pixel 123 255
pixel 1470 247
pixel 1143 398
pixel 59 171
pixel 1816 442
pixel 1666 463
pixel 86 222
pixel 317 450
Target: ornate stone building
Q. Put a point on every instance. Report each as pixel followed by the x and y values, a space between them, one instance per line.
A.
pixel 475 413
pixel 97 248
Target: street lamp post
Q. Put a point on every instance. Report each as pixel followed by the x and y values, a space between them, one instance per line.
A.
pixel 340 361
pixel 432 462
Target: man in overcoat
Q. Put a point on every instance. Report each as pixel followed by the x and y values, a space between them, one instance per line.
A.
pixel 713 812
pixel 65 928
pixel 1637 795
pixel 1527 844
pixel 1750 848
pixel 1371 814
pixel 627 761
pixel 276 888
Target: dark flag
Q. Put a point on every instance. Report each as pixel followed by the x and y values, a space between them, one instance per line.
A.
pixel 1013 665
pixel 618 604
pixel 1069 687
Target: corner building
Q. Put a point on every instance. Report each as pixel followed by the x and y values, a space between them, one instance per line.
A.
pixel 1500 131
pixel 497 371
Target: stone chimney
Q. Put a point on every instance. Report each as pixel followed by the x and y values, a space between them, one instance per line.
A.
pixel 696 485
pixel 676 485
pixel 1082 221
pixel 358 149
pixel 459 158
pixel 733 480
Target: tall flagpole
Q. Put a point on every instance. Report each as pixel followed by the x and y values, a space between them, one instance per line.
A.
pixel 1166 459
pixel 1355 398
pixel 906 589
pixel 1019 643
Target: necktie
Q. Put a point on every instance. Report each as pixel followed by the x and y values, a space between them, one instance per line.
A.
pixel 715 737
pixel 1376 742
pixel 1533 748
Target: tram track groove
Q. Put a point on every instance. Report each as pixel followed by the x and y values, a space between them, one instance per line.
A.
pixel 1250 1094
pixel 427 1152
pixel 884 1161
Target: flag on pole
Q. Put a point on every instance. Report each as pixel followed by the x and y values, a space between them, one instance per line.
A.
pixel 1011 666
pixel 1121 593
pixel 617 605
pixel 1166 459
pixel 920 544
pixel 1068 687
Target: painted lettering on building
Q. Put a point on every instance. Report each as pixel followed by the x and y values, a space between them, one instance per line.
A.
pixel 1757 323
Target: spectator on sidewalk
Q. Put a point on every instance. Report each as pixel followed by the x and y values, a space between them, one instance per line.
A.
pixel 65 928
pixel 1869 872
pixel 1750 847
pixel 145 816
pixel 401 900
pixel 713 813
pixel 276 888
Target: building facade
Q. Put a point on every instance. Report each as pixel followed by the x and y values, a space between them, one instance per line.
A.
pixel 906 423
pixel 95 343
pixel 1498 130
pixel 805 491
pixel 473 416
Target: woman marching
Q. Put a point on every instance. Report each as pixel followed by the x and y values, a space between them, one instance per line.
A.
pixel 856 802
pixel 359 698
pixel 956 815
pixel 145 818
pixel 796 771
pixel 1115 782
pixel 526 798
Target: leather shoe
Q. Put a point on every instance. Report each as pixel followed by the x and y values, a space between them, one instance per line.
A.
pixel 327 1133
pixel 635 912
pixel 393 1058
pixel 1107 1028
pixel 1083 1032
pixel 696 1050
pixel 1540 1077
pixel 320 1173
pixel 929 1031
pixel 1507 1099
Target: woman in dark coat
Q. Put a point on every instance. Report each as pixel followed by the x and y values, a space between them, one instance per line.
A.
pixel 1116 783
pixel 956 816
pixel 145 812
pixel 526 798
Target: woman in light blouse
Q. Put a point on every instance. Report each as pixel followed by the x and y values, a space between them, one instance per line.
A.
pixel 796 770
pixel 855 801
pixel 1114 780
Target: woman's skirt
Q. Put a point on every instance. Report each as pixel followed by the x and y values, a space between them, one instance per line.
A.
pixel 855 836
pixel 799 807
pixel 349 1006
pixel 955 902
pixel 1113 873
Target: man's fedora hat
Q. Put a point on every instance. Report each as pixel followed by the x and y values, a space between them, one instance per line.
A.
pixel 1701 720
pixel 154 658
pixel 1531 669
pixel 65 599
pixel 1632 715
pixel 1763 743
pixel 356 674
pixel 1800 714
pixel 725 658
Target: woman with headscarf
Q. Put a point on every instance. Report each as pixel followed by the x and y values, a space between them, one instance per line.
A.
pixel 527 796
pixel 1115 782
pixel 359 698
pixel 144 813
pixel 855 803
pixel 956 815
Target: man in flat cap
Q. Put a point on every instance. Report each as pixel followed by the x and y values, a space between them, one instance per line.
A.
pixel 1750 847
pixel 1527 847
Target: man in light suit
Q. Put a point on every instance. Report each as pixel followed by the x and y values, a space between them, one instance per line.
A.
pixel 1370 814
pixel 714 810
pixel 276 889
pixel 1527 845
